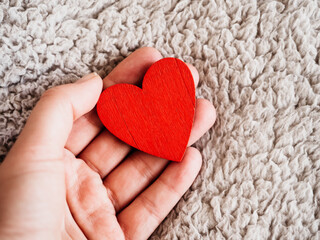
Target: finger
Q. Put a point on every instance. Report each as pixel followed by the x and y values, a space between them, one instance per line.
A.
pixel 131 177
pixel 194 73
pixel 148 210
pixel 143 168
pixel 83 131
pixel 204 118
pixel 130 70
pixel 106 151
pixel 50 122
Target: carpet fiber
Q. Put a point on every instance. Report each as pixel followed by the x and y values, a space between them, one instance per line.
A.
pixel 259 65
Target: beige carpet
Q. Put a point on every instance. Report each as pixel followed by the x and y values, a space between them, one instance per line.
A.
pixel 259 65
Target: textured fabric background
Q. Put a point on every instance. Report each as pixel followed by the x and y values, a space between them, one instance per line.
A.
pixel 259 65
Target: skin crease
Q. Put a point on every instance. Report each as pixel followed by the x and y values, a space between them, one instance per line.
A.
pixel 68 178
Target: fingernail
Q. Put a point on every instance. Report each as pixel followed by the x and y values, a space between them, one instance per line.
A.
pixel 87 77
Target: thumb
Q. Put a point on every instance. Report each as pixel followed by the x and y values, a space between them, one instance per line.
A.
pixel 50 123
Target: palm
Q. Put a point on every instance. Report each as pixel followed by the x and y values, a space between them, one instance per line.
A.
pixel 99 195
pixel 110 191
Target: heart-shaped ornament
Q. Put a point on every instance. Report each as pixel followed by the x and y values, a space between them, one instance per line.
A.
pixel 158 118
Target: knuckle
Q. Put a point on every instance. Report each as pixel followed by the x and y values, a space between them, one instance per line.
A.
pixel 57 97
pixel 58 94
pixel 52 93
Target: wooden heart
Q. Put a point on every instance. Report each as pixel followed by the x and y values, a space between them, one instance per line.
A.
pixel 158 118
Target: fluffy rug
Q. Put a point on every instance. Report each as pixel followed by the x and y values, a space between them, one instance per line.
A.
pixel 259 65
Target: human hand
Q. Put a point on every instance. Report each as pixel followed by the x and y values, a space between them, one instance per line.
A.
pixel 68 178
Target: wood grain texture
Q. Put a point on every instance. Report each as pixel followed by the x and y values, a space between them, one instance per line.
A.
pixel 158 118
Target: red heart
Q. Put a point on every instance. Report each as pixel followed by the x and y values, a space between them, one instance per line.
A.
pixel 156 119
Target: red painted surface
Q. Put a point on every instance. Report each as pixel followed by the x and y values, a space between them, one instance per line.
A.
pixel 156 119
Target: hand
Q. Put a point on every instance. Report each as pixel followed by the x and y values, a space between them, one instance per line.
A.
pixel 67 178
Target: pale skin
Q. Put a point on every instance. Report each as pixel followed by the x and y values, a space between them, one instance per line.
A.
pixel 67 177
